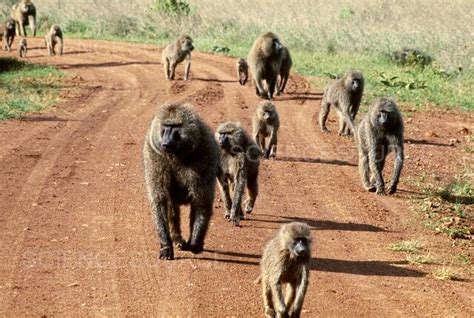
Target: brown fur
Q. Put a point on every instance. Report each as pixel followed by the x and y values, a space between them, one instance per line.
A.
pixel 264 59
pixel 175 53
pixel 24 14
pixel 238 168
pixel 242 71
pixel 54 37
pixel 265 124
pixel 345 94
pixel 375 140
pixel 286 260
pixel 286 65
pixel 181 160
pixel 23 48
pixel 9 34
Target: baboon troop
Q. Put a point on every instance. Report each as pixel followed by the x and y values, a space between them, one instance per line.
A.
pixel 23 48
pixel 265 124
pixel 175 53
pixel 264 59
pixel 345 94
pixel 380 131
pixel 24 14
pixel 54 37
pixel 238 169
pixel 242 71
pixel 181 159
pixel 9 34
pixel 285 68
pixel 286 260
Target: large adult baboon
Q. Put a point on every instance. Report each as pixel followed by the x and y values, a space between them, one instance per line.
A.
pixel 24 14
pixel 53 37
pixel 264 59
pixel 286 65
pixel 380 131
pixel 345 94
pixel 9 34
pixel 181 160
pixel 238 168
pixel 176 52
pixel 285 260
pixel 265 123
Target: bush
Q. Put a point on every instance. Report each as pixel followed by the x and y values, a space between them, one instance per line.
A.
pixel 171 7
pixel 412 57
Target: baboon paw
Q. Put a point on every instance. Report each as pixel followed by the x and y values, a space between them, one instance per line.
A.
pixel 194 248
pixel 235 221
pixel 392 189
pixel 166 253
pixel 380 192
pixel 227 216
pixel 270 313
pixel 371 188
pixel 179 243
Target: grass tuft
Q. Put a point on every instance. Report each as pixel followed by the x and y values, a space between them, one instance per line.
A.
pixel 412 246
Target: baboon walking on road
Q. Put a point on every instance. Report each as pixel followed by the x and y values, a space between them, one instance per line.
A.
pixel 264 59
pixel 238 168
pixel 23 48
pixel 345 94
pixel 9 34
pixel 54 37
pixel 24 14
pixel 286 65
pixel 181 160
pixel 285 260
pixel 176 52
pixel 380 131
pixel 266 124
pixel 242 71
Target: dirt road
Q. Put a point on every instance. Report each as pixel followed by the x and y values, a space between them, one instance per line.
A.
pixel 76 232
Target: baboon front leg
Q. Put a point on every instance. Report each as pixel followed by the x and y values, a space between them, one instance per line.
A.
pixel 398 165
pixel 61 46
pixel 290 295
pixel 295 310
pixel 199 223
pixel 259 86
pixel 283 83
pixel 172 69
pixel 160 213
pixel 252 188
pixel 175 226
pixel 342 125
pixel 267 300
pixel 225 193
pixel 187 68
pixel 279 302
pixel 272 147
pixel 277 86
pixel 364 171
pixel 271 88
pixel 375 166
pixel 239 181
pixel 323 115
pixel 32 23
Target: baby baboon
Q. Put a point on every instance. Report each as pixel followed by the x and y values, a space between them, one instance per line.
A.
pixel 345 95
pixel 380 131
pixel 286 65
pixel 238 167
pixel 242 71
pixel 265 124
pixel 9 35
pixel 181 160
pixel 264 61
pixel 23 48
pixel 286 259
pixel 24 14
pixel 53 37
pixel 175 53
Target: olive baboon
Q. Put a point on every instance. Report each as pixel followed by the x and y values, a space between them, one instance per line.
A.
pixel 181 160
pixel 265 124
pixel 286 259
pixel 345 95
pixel 9 34
pixel 24 14
pixel 53 37
pixel 242 71
pixel 286 65
pixel 174 53
pixel 23 47
pixel 264 61
pixel 239 165
pixel 380 131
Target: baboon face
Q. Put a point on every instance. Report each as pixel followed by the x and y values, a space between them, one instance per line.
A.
pixel 186 43
pixel 26 7
pixel 10 25
pixel 354 82
pixel 271 44
pixel 177 132
pixel 268 110
pixel 297 239
pixel 384 114
pixel 230 137
pixel 23 42
pixel 242 65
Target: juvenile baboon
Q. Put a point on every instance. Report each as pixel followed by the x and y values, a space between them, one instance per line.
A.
pixel 9 34
pixel 285 68
pixel 345 95
pixel 380 131
pixel 239 165
pixel 181 160
pixel 53 37
pixel 23 47
pixel 174 53
pixel 24 14
pixel 265 124
pixel 264 61
pixel 242 71
pixel 285 260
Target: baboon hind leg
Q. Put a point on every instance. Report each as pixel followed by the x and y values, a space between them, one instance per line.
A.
pixel 252 188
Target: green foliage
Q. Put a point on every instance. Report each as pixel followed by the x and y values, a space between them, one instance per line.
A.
pixel 407 246
pixel 394 81
pixel 346 13
pixel 171 7
pixel 220 49
pixel 412 57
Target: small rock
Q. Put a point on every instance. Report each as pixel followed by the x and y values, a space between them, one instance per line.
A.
pixel 430 134
pixel 464 131
pixel 73 285
pixel 453 141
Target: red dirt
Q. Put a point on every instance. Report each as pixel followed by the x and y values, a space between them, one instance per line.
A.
pixel 76 232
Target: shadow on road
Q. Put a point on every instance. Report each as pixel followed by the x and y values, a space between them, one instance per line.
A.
pixel 316 160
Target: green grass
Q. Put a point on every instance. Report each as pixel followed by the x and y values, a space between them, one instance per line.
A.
pixel 26 87
pixel 412 246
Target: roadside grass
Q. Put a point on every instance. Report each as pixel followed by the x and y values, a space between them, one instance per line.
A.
pixel 26 87
pixel 446 273
pixel 412 246
pixel 325 39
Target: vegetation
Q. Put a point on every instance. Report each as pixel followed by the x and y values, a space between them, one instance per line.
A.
pixel 414 51
pixel 26 87
pixel 413 246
